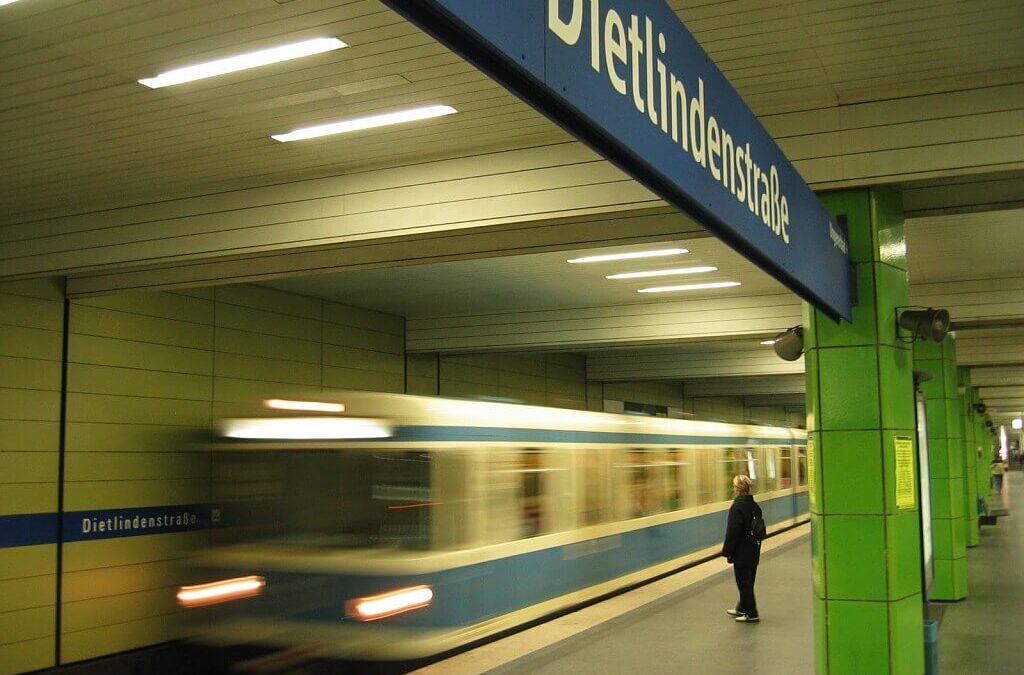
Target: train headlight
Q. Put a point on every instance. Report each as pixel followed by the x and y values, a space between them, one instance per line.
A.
pixel 220 591
pixel 389 604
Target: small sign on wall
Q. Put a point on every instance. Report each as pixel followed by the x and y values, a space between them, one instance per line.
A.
pixel 906 491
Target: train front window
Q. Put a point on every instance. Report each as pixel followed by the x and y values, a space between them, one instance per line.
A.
pixel 349 499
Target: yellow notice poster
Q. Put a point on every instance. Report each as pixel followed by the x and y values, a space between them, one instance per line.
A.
pixel 811 482
pixel 906 492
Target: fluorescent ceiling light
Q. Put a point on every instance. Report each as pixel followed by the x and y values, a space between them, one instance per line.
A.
pixel 628 256
pixel 233 64
pixel 690 287
pixel 6 2
pixel 370 122
pixel 313 406
pixel 662 273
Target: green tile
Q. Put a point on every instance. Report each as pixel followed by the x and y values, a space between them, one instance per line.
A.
pixel 960 577
pixel 858 640
pixel 848 380
pixel 938 457
pixel 809 314
pixel 887 221
pixel 942 537
pixel 941 498
pixel 943 586
pixel 815 496
pixel 862 330
pixel 851 472
pixel 893 292
pixel 855 557
pixel 820 636
pixel 811 398
pixel 950 376
pixel 903 542
pixel 818 555
pixel 936 411
pixel 952 414
pixel 906 643
pixel 932 389
pixel 896 380
pixel 926 350
pixel 956 497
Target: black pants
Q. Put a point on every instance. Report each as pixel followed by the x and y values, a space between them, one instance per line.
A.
pixel 745 575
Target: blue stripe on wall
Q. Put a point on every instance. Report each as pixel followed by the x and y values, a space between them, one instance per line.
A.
pixel 29 529
pixel 34 529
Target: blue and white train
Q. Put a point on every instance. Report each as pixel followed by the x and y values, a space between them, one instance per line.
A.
pixel 381 526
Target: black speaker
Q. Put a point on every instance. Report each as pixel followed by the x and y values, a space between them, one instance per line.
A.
pixel 790 345
pixel 927 324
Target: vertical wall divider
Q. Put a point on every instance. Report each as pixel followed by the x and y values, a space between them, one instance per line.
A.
pixel 61 450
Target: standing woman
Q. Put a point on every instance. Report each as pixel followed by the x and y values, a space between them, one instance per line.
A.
pixel 742 547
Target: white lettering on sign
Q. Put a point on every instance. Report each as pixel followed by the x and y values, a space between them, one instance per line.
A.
pixel 838 240
pixel 634 67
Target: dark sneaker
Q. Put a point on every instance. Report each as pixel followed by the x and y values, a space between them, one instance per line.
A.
pixel 733 612
pixel 743 618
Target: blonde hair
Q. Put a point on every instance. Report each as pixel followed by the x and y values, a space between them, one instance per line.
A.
pixel 743 484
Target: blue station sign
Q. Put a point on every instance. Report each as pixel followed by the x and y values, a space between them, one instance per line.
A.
pixel 628 78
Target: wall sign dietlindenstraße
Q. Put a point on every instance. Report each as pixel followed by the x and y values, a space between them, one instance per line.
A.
pixel 628 78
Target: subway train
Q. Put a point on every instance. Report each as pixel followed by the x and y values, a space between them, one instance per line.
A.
pixel 392 527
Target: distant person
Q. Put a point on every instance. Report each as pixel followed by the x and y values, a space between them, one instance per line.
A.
pixel 997 474
pixel 742 547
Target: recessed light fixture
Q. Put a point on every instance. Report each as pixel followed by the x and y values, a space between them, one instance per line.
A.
pixel 360 123
pixel 233 64
pixel 662 273
pixel 690 287
pixel 628 256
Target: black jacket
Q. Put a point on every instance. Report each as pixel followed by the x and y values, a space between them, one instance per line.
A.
pixel 740 548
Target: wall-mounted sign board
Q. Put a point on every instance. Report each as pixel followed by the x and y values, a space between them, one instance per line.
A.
pixel 627 78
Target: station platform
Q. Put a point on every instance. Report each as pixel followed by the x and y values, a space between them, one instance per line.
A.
pixel 679 625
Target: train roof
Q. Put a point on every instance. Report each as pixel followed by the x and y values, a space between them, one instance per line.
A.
pixel 435 418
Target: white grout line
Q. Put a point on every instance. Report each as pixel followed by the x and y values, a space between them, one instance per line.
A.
pixel 500 652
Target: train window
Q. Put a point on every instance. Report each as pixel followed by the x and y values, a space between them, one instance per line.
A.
pixel 770 475
pixel 752 465
pixel 593 482
pixel 801 465
pixel 517 504
pixel 732 464
pixel 642 477
pixel 785 467
pixel 674 480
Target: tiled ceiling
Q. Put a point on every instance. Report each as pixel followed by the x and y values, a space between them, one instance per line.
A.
pixel 79 132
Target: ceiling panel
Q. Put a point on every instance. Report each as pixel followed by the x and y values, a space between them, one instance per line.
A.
pixel 79 132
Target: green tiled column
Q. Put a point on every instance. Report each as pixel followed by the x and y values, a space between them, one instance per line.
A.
pixel 970 458
pixel 946 467
pixel 860 399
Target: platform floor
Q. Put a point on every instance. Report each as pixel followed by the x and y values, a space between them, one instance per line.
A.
pixel 679 625
pixel 984 634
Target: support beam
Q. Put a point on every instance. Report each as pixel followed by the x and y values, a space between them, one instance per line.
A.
pixel 946 467
pixel 865 523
